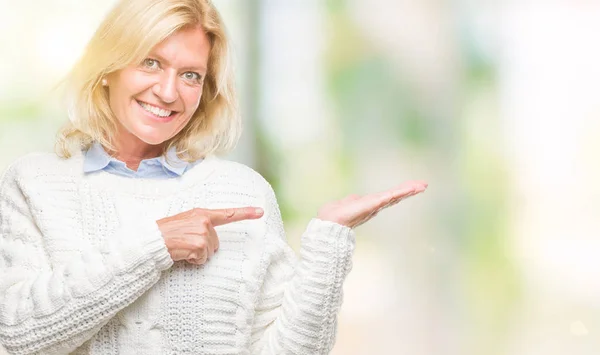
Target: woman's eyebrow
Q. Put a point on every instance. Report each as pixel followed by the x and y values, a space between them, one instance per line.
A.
pixel 198 67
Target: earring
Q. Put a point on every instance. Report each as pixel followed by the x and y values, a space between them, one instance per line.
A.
pixel 104 82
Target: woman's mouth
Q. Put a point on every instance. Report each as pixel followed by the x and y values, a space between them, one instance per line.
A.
pixel 157 113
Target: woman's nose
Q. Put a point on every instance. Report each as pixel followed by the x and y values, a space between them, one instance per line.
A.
pixel 166 87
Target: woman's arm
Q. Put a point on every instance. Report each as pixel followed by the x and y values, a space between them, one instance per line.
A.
pixel 300 298
pixel 297 309
pixel 53 309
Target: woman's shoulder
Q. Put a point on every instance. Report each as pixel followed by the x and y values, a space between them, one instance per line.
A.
pixel 34 165
pixel 236 171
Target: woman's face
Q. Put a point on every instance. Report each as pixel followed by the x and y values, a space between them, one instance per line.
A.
pixel 155 99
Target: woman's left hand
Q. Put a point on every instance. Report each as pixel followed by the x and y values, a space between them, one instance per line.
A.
pixel 355 210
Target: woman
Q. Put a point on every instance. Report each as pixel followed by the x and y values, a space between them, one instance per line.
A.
pixel 136 239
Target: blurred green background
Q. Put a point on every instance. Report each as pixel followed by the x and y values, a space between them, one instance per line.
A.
pixel 494 103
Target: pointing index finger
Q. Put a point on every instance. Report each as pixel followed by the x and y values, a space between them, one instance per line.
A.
pixel 219 217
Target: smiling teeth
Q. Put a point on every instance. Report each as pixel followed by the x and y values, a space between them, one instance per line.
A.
pixel 155 110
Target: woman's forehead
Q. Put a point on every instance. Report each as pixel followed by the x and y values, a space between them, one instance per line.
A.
pixel 186 48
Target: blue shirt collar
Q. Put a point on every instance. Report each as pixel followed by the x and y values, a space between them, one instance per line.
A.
pixel 97 159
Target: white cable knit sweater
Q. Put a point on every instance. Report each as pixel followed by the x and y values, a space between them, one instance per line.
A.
pixel 84 268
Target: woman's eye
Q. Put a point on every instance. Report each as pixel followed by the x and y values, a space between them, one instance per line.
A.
pixel 150 63
pixel 192 76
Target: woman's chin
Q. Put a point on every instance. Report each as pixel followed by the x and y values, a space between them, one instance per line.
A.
pixel 151 139
pixel 154 140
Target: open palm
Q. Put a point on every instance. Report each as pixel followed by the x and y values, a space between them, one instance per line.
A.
pixel 355 210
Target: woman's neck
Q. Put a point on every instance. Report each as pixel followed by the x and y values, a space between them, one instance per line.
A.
pixel 131 150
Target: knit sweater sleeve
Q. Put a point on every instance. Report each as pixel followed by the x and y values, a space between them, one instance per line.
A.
pixel 53 309
pixel 300 298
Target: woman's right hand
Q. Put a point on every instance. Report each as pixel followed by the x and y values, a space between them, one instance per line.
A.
pixel 191 235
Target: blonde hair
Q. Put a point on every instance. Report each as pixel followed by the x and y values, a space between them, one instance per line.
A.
pixel 126 36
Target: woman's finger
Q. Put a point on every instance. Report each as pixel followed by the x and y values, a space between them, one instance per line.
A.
pixel 213 241
pixel 228 215
pixel 380 200
pixel 374 203
pixel 350 198
pixel 361 208
pixel 396 200
pixel 406 190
